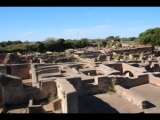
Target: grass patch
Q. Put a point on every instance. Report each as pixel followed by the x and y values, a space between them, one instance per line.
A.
pixel 110 86
pixel 52 97
pixel 114 56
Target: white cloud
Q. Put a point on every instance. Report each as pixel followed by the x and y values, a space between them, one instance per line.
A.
pixel 25 34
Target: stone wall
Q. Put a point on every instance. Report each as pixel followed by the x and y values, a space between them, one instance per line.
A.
pixel 102 81
pixel 89 89
pixel 3 68
pixel 46 88
pixel 116 66
pixel 12 58
pixel 11 89
pixel 21 70
pixel 76 82
pixel 67 93
pixel 128 82
pixel 133 70
pixel 131 97
pixel 154 80
pixel 49 70
pixel 2 57
pixel 2 100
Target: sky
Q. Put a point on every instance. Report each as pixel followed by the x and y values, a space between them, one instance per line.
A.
pixel 39 23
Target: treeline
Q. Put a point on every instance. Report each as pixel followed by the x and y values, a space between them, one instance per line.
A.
pixel 58 45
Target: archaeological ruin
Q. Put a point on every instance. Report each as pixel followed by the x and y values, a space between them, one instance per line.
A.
pixel 124 79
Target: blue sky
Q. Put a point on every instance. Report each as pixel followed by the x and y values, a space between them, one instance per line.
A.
pixel 39 23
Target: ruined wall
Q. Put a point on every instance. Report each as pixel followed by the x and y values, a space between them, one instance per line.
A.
pixel 128 82
pixel 46 88
pixel 65 60
pixel 102 81
pixel 21 70
pixel 2 57
pixel 2 97
pixel 67 93
pixel 26 94
pixel 116 66
pixel 3 68
pixel 131 97
pixel 154 80
pixel 133 70
pixel 101 57
pixel 49 70
pixel 89 89
pixel 11 88
pixel 76 82
pixel 12 59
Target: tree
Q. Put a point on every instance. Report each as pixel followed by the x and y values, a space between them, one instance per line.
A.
pixel 150 37
pixel 117 38
pixel 40 47
pixel 109 38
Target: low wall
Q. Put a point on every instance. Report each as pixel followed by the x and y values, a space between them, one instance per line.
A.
pixel 131 97
pixel 154 80
pixel 50 70
pixel 103 81
pixel 128 82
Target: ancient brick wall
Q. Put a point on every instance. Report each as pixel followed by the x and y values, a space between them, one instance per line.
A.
pixel 11 88
pixel 102 81
pixel 67 93
pixel 12 59
pixel 128 82
pixel 89 89
pixel 133 70
pixel 21 70
pixel 3 68
pixel 49 70
pixel 2 57
pixel 46 88
pixel 116 66
pixel 26 94
pixel 154 80
pixel 76 82
pixel 2 97
pixel 131 97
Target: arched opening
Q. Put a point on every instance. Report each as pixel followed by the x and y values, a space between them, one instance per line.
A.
pixel 128 74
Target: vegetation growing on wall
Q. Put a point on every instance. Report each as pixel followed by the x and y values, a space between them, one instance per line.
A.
pixel 111 84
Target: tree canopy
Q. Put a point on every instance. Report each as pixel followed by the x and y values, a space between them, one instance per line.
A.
pixel 150 37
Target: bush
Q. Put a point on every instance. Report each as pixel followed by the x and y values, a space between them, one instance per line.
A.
pixel 111 87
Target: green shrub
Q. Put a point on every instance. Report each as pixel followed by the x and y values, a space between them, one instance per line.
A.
pixel 52 97
pixel 110 86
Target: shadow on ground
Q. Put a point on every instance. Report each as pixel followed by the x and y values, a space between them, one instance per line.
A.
pixel 149 105
pixel 92 104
